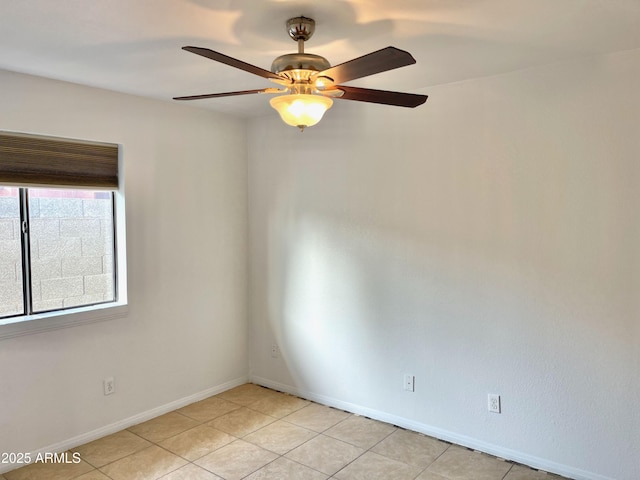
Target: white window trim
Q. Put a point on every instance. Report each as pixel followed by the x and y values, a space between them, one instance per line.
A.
pixel 45 322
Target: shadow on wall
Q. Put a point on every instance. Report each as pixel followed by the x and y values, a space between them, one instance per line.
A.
pixel 355 306
pixel 359 306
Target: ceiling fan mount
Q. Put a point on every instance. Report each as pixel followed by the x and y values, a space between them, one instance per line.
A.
pixel 301 28
pixel 309 82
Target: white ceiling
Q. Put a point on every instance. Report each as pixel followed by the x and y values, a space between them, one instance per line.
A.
pixel 134 46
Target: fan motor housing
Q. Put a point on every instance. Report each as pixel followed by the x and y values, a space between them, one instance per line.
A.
pixel 299 61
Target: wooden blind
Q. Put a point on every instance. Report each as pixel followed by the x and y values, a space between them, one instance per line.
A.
pixel 37 160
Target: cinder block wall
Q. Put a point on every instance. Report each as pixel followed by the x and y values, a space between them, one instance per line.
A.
pixel 71 251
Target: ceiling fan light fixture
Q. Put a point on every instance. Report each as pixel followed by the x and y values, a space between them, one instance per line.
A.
pixel 301 110
pixel 309 82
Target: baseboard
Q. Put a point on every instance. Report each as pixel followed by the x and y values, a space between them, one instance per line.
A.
pixel 128 422
pixel 496 450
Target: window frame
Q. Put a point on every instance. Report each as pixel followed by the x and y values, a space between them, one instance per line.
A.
pixel 32 323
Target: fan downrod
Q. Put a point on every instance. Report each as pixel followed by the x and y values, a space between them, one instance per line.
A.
pixel 300 30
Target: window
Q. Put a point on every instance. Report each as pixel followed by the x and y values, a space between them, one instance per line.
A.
pixel 11 297
pixel 57 250
pixel 58 245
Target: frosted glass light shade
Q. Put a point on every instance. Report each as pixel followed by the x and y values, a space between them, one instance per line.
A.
pixel 301 110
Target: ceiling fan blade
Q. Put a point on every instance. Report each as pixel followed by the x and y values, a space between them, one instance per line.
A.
pixel 230 94
pixel 384 97
pixel 233 62
pixel 370 64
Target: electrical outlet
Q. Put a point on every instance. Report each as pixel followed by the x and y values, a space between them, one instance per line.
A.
pixel 409 382
pixel 109 385
pixel 275 351
pixel 494 403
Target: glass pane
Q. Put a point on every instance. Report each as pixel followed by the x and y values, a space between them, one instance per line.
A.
pixel 11 299
pixel 72 252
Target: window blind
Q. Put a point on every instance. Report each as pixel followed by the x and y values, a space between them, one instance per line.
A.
pixel 37 160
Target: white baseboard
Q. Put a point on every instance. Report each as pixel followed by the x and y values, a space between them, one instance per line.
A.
pixel 496 450
pixel 128 422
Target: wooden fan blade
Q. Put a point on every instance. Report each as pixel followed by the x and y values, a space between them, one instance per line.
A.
pixel 232 62
pixel 229 94
pixel 384 97
pixel 370 64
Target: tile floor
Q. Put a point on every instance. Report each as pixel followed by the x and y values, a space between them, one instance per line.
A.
pixel 254 433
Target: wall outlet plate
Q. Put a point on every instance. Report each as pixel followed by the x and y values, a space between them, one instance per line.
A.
pixel 494 403
pixel 409 382
pixel 109 385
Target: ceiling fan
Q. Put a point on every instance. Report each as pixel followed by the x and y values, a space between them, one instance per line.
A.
pixel 309 82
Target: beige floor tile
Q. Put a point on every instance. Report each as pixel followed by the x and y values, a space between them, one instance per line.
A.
pixel 316 442
pixel 411 448
pixel 426 475
pixel 50 471
pixel 325 454
pixel 458 463
pixel 241 422
pixel 245 394
pixel 163 427
pixel 280 437
pixel 520 472
pixel 197 442
pixel 111 448
pixel 372 466
pixel 147 464
pixel 236 460
pixel 93 475
pixel 190 472
pixel 316 417
pixel 279 405
pixel 208 409
pixel 285 469
pixel 360 431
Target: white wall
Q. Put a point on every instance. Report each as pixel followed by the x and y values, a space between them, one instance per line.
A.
pixel 186 329
pixel 486 242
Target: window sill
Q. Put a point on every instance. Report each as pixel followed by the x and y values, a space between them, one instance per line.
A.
pixel 44 322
